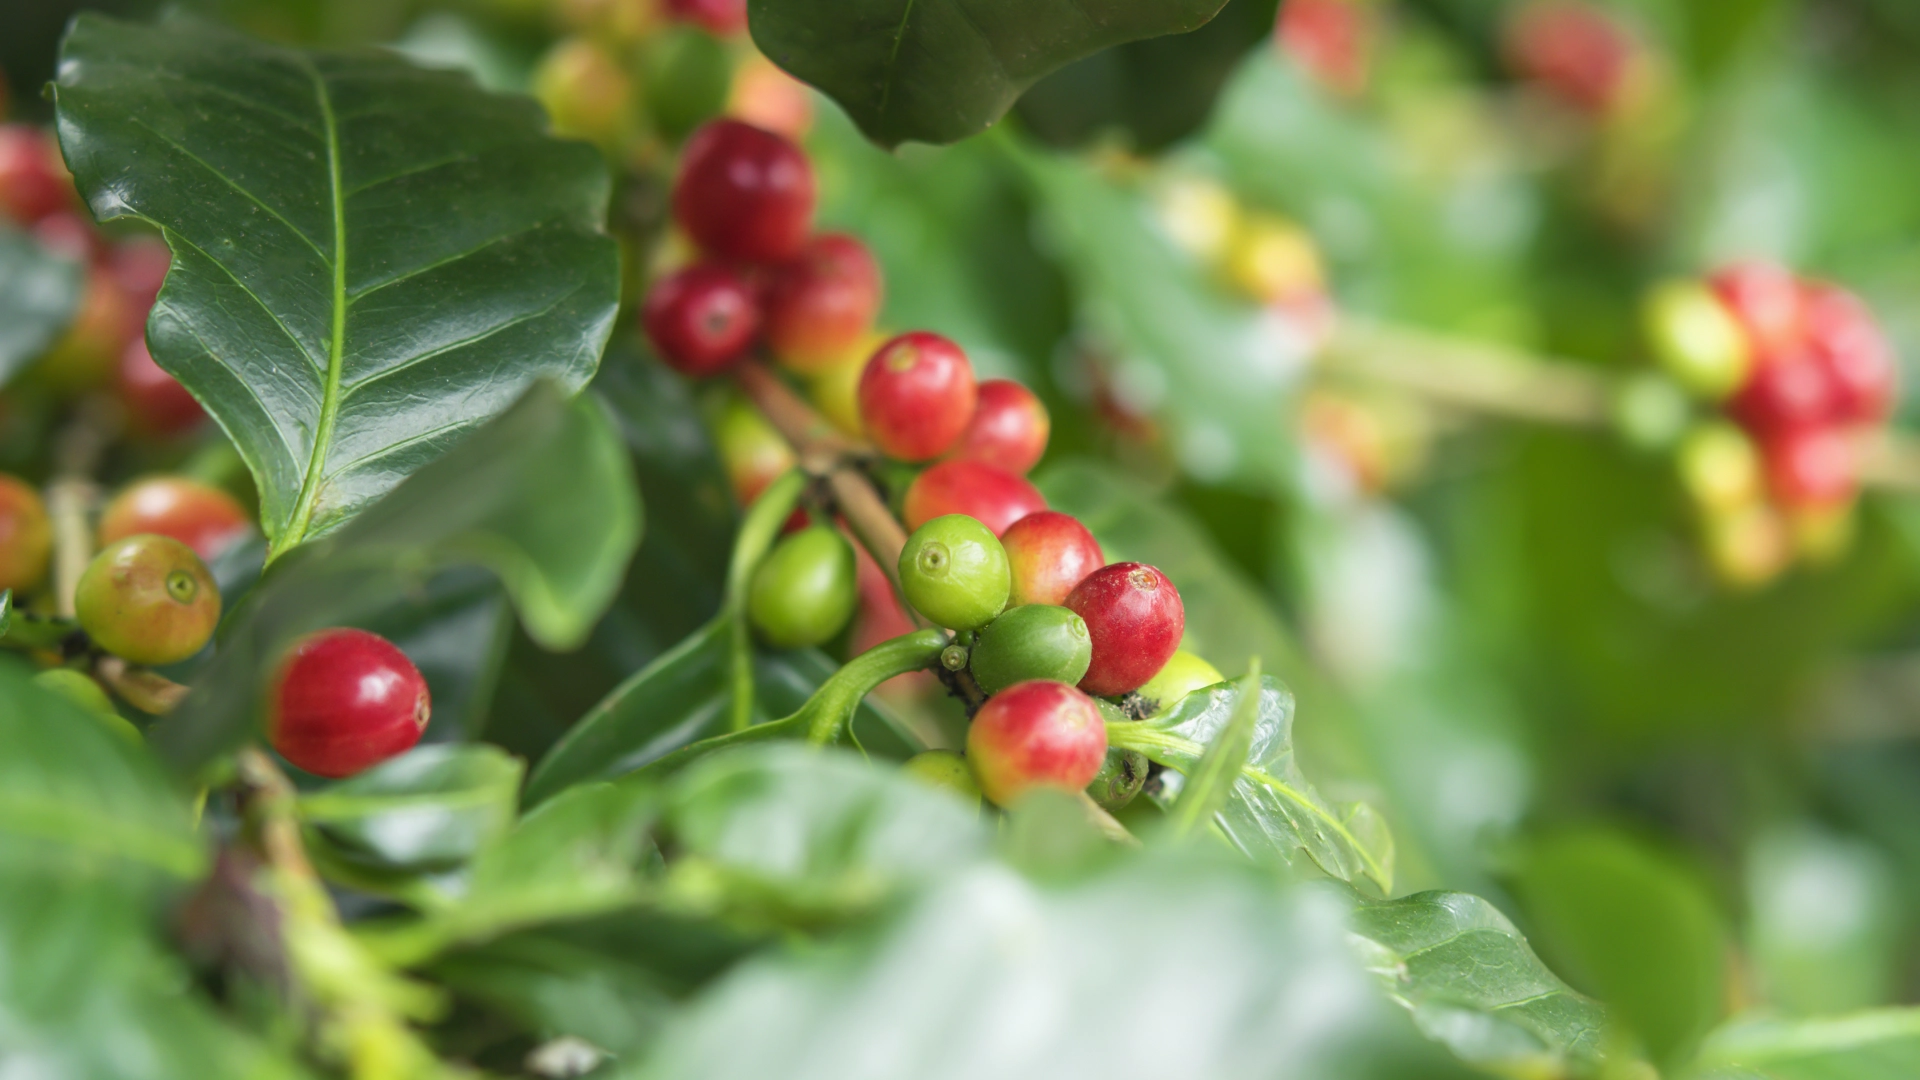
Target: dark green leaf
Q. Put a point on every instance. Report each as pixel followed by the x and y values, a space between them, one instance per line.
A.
pixel 542 497
pixel 1274 812
pixel 432 808
pixel 556 987
pixel 1473 985
pixel 370 259
pixel 941 70
pixel 39 293
pixel 1878 1044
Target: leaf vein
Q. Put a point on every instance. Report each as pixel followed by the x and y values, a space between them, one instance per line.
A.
pixel 230 182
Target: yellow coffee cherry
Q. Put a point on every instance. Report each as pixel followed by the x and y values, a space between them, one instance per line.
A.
pixel 587 94
pixel 1198 215
pixel 1720 468
pixel 836 390
pixel 1697 339
pixel 1271 258
pixel 1747 547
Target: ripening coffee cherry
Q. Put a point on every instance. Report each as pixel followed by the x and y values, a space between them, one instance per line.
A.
pixel 69 235
pixel 769 98
pixel 721 18
pixel 1037 641
pixel 1847 344
pixel 803 592
pixel 1182 674
pixel 916 395
pixel 822 304
pixel 995 497
pixel 1032 735
pixel 1697 339
pixel 148 599
pixel 344 700
pixel 835 391
pixel 752 452
pixel 954 572
pixel 586 91
pixel 744 193
pixel 1048 554
pixel 1766 301
pixel 1574 50
pixel 156 403
pixel 1122 774
pixel 1720 468
pixel 33 181
pixel 1009 428
pixel 1810 467
pixel 1747 547
pixel 1135 617
pixel 198 515
pixel 701 318
pixel 26 535
pixel 1785 393
pixel 945 770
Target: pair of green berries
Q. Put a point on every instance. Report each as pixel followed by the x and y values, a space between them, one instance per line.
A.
pixel 954 571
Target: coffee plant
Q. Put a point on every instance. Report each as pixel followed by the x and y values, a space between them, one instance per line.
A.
pixel 1347 539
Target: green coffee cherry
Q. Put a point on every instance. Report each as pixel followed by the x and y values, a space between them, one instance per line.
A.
pixel 804 591
pixel 1697 339
pixel 79 688
pixel 1033 641
pixel 148 599
pixel 1182 674
pixel 1120 778
pixel 946 770
pixel 954 571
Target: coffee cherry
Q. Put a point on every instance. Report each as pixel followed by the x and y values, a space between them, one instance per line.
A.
pixel 156 403
pixel 1720 468
pixel 148 599
pixel 954 572
pixel 995 497
pixel 769 98
pixel 1008 430
pixel 1271 260
pixel 744 193
pixel 1135 618
pixel 1122 774
pixel 700 319
pixel 916 395
pixel 1048 554
pixel 823 303
pixel 198 515
pixel 586 92
pixel 721 18
pixel 1783 394
pixel 344 700
pixel 1182 674
pixel 1032 735
pixel 1810 467
pixel 1766 301
pixel 1697 339
pixel 88 354
pixel 26 535
pixel 752 452
pixel 1847 344
pixel 1037 641
pixel 945 770
pixel 140 265
pixel 69 235
pixel 1747 547
pixel 1573 50
pixel 33 181
pixel 1329 39
pixel 803 592
pixel 835 391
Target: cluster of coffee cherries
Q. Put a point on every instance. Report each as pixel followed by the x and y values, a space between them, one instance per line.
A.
pixel 1044 627
pixel 1795 371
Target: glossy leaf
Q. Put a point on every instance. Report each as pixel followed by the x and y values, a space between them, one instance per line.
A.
pixel 1208 789
pixel 1473 985
pixel 431 808
pixel 39 293
pixel 370 258
pixel 542 497
pixel 1874 1044
pixel 941 70
pixel 556 987
pixel 1274 812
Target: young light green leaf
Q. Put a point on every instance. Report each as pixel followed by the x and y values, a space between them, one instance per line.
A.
pixel 542 497
pixel 369 258
pixel 1274 812
pixel 1210 786
pixel 429 809
pixel 1473 984
pixel 1874 1044
pixel 39 293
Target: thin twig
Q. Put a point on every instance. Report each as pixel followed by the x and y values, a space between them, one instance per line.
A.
pixel 145 690
pixel 1472 375
pixel 72 494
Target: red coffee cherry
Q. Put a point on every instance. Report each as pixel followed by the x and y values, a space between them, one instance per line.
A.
pixel 1575 51
pixel 1765 298
pixel 1330 39
pixel 1810 468
pixel 1049 553
pixel 66 233
pixel 1135 618
pixel 916 395
pixel 701 318
pixel 721 18
pixel 1785 393
pixel 156 402
pixel 26 535
pixel 820 305
pixel 1847 344
pixel 1035 734
pixel 995 497
pixel 1009 428
pixel 140 265
pixel 33 180
pixel 344 700
pixel 744 193
pixel 198 515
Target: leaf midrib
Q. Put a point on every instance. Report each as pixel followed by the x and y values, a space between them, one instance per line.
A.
pixel 296 529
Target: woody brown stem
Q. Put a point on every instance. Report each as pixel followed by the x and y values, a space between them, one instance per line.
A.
pixel 151 693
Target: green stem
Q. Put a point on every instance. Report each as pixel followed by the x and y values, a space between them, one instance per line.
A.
pixel 757 533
